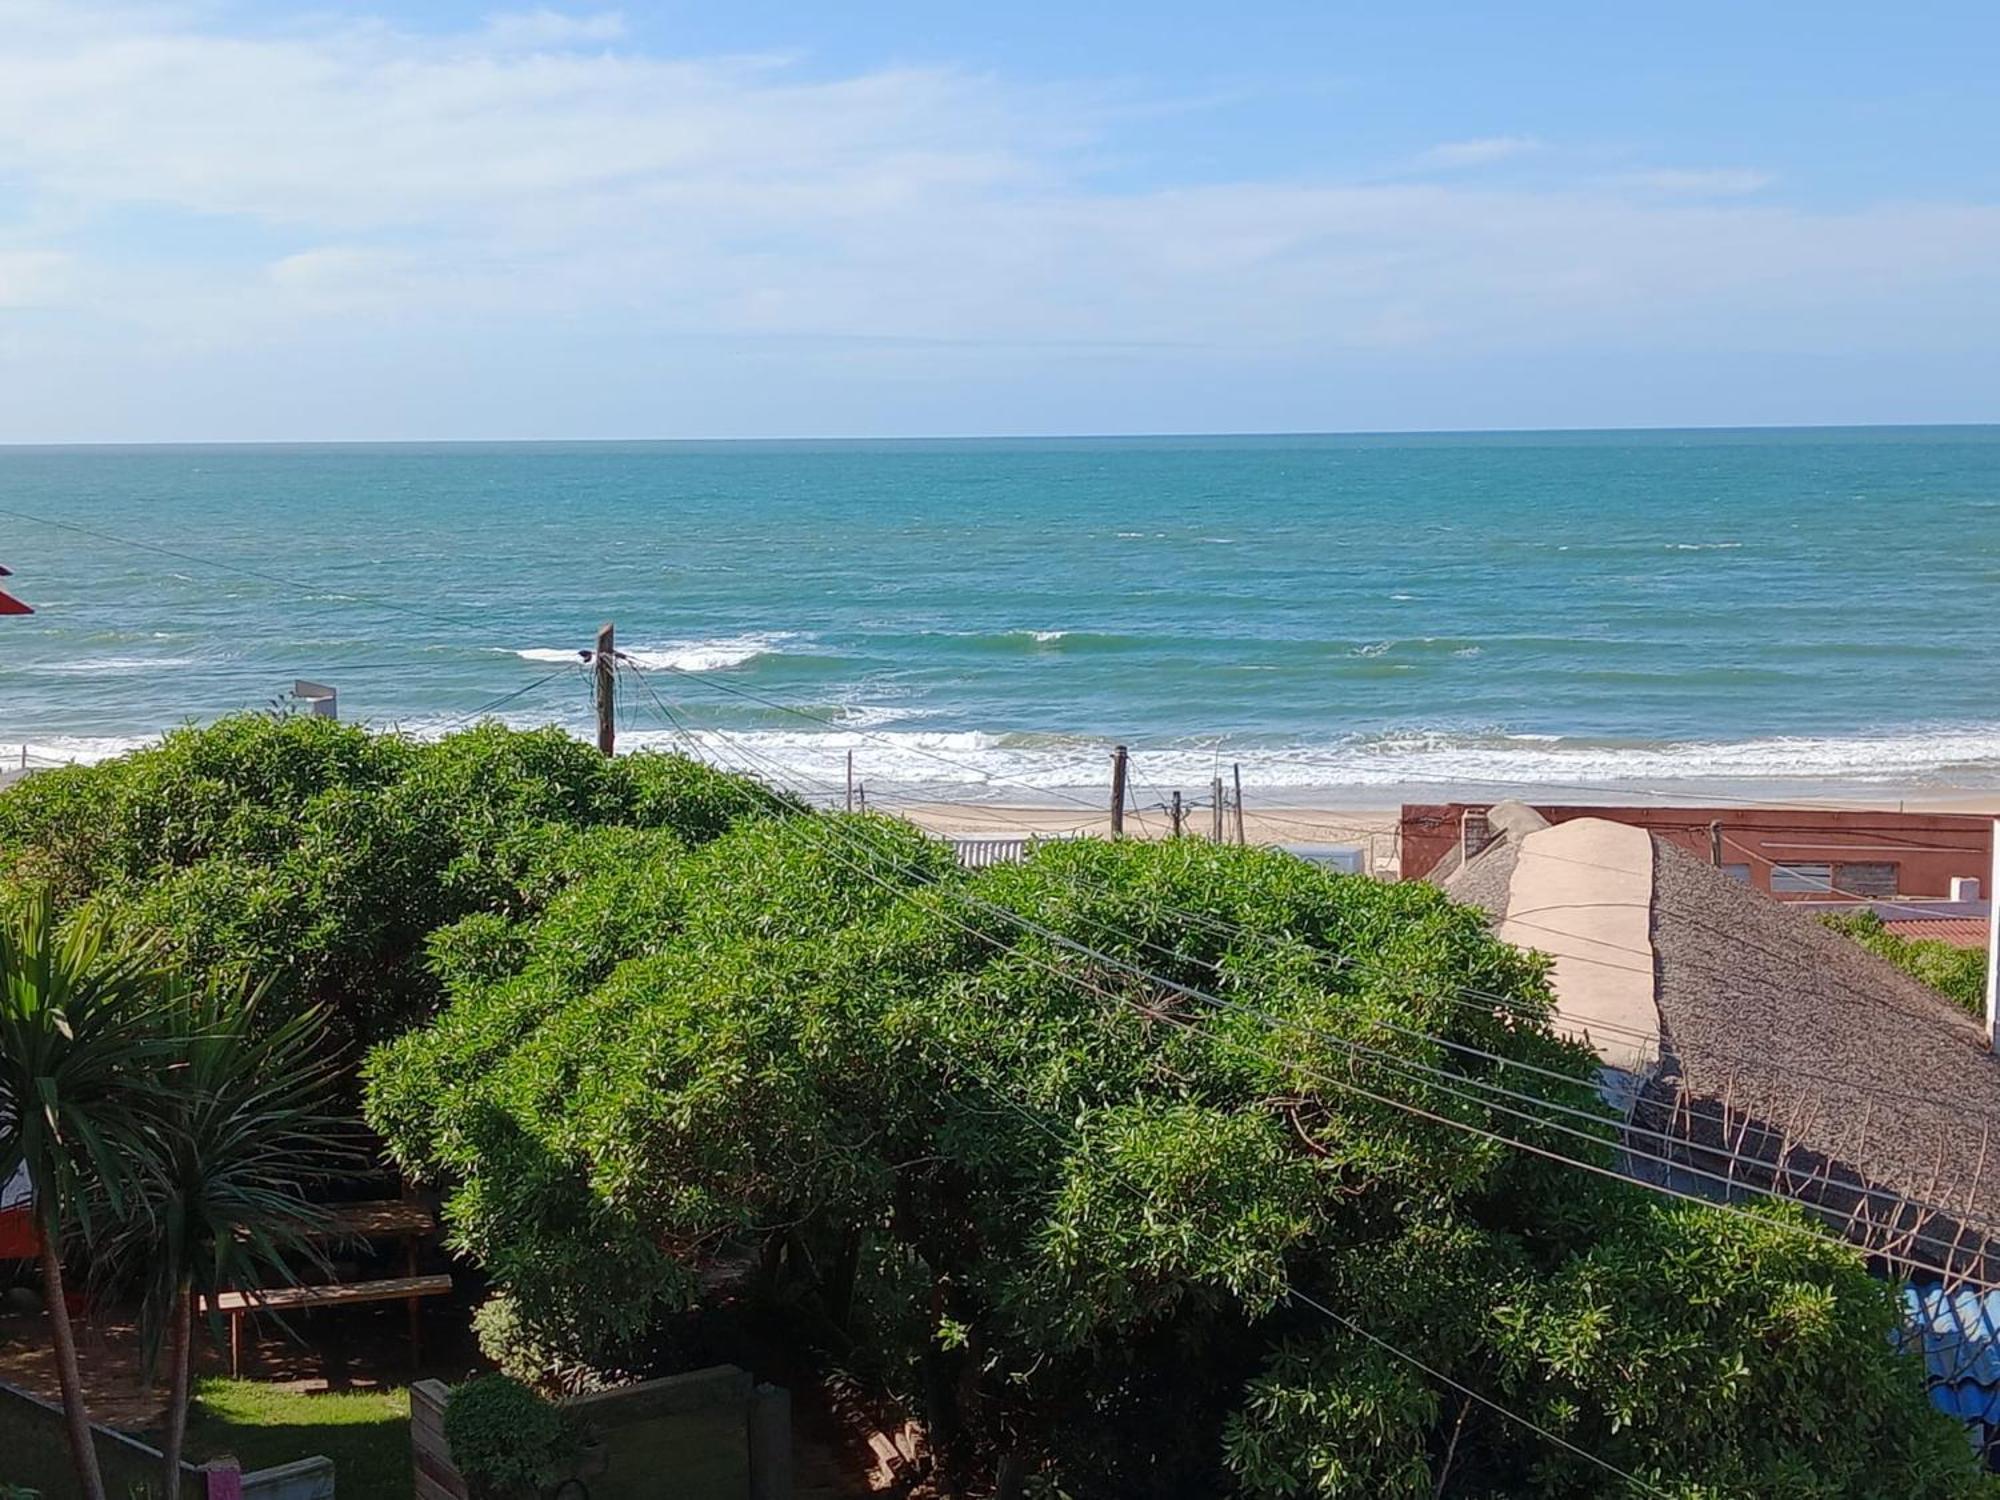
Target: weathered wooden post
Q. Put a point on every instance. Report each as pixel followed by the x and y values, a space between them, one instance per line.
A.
pixel 604 667
pixel 1215 809
pixel 1175 811
pixel 1236 770
pixel 1117 791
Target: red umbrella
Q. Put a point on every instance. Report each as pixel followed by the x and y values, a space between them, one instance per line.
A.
pixel 9 605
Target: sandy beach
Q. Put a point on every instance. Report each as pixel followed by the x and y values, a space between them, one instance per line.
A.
pixel 1373 829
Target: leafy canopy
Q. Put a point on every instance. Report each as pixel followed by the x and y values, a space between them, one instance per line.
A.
pixel 1061 1207
pixel 314 859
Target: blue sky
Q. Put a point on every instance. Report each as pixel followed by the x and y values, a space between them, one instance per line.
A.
pixel 446 220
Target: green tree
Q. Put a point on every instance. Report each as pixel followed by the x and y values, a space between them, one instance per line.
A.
pixel 1957 973
pixel 986 1149
pixel 242 1124
pixel 77 1046
pixel 314 859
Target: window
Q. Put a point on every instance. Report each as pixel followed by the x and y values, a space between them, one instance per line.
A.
pixel 1738 873
pixel 1866 879
pixel 1806 880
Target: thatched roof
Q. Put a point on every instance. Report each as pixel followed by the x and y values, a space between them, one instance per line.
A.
pixel 1844 1081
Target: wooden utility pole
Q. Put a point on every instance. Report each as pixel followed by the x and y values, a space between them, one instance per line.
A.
pixel 850 781
pixel 1215 809
pixel 1236 770
pixel 604 667
pixel 1175 810
pixel 1118 791
pixel 1715 843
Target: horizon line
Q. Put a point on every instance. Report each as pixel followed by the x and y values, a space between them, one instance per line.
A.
pixel 18 445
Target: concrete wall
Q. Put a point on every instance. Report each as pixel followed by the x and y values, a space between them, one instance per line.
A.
pixel 34 1451
pixel 308 1479
pixel 706 1435
pixel 1927 848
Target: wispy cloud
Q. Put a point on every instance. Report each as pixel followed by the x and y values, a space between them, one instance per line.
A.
pixel 551 28
pixel 1484 152
pixel 1724 182
pixel 526 179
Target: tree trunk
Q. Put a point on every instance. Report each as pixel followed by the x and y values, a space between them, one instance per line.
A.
pixel 82 1447
pixel 839 1294
pixel 1010 1478
pixel 180 1352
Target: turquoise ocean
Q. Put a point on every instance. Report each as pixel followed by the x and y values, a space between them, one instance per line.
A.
pixel 1774 612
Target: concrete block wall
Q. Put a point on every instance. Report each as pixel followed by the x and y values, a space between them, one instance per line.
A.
pixel 34 1451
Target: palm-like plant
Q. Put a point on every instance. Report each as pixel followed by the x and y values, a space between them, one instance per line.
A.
pixel 77 1015
pixel 243 1122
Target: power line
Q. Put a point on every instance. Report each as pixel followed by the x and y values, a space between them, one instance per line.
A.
pixel 1293 1294
pixel 1488 999
pixel 506 698
pixel 1291 1291
pixel 1911 1236
pixel 773 703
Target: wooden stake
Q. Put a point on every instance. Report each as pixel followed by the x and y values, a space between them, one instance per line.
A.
pixel 604 667
pixel 1176 813
pixel 1215 809
pixel 1236 770
pixel 850 781
pixel 1715 843
pixel 1118 758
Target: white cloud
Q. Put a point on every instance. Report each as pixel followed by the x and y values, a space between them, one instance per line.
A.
pixel 526 180
pixel 29 278
pixel 551 28
pixel 1478 153
pixel 1725 182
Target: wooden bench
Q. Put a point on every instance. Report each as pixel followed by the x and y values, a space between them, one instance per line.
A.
pixel 386 1219
pixel 338 1294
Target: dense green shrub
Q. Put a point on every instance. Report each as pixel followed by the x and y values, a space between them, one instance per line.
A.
pixel 506 1440
pixel 323 860
pixel 978 1139
pixel 1062 1208
pixel 1957 973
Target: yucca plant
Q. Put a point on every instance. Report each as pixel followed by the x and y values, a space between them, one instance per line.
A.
pixel 244 1122
pixel 78 1045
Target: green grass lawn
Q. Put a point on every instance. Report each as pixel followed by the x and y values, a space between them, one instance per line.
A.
pixel 365 1433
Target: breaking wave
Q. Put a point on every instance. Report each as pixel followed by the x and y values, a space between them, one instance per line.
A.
pixel 999 766
pixel 712 655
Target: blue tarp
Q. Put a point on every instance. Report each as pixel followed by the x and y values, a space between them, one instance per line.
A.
pixel 1958 1335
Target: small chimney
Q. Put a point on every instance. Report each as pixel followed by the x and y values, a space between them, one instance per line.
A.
pixel 1965 887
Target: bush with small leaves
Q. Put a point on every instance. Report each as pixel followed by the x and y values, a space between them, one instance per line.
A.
pixel 1048 1152
pixel 508 1442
